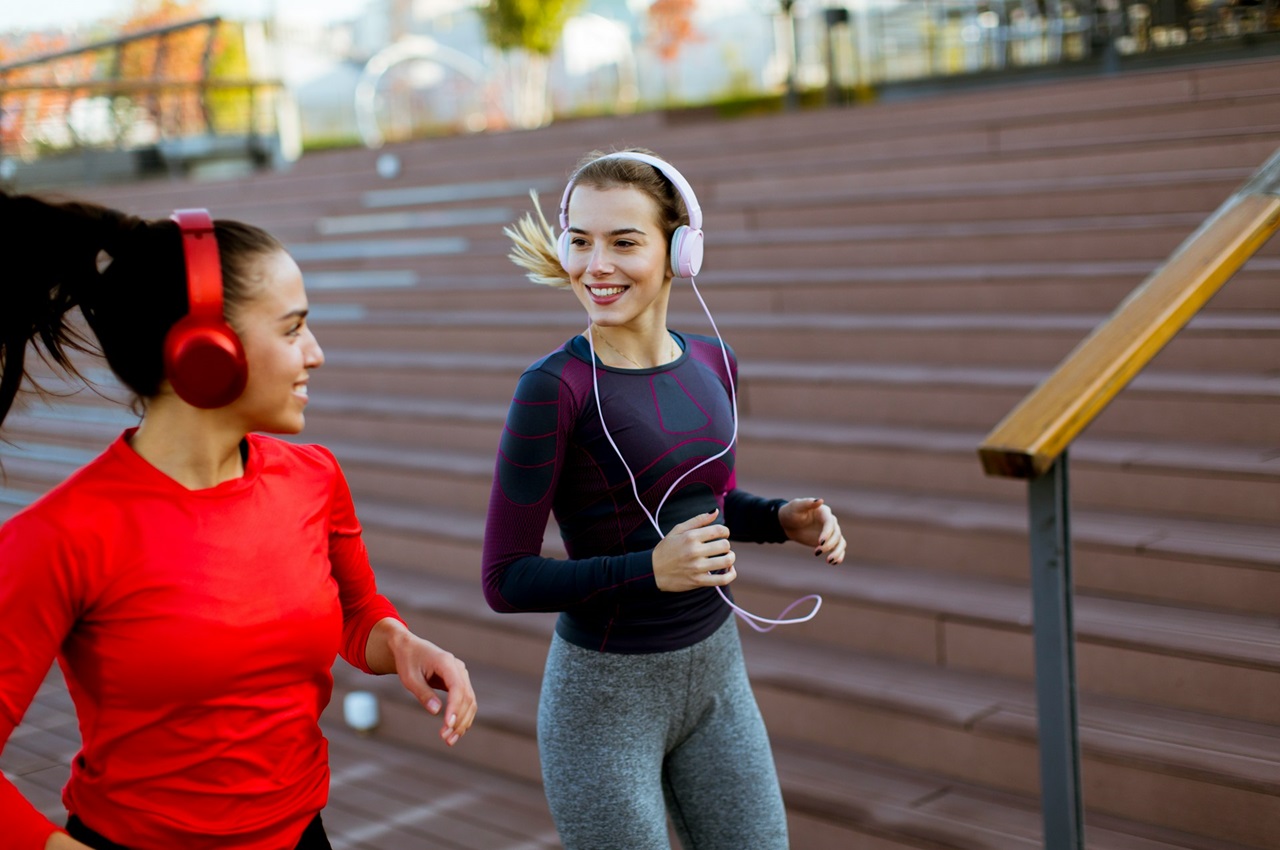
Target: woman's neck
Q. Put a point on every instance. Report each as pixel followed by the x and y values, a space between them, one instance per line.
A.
pixel 622 348
pixel 196 448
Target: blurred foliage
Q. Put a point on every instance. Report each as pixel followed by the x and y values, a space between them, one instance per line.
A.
pixel 532 25
pixel 671 27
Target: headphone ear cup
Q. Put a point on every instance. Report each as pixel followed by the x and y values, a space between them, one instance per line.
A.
pixel 205 362
pixel 686 251
pixel 562 249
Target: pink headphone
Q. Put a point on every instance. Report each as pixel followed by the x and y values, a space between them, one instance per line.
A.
pixel 203 357
pixel 686 242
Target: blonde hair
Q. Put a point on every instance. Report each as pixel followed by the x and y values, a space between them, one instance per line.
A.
pixel 534 242
pixel 533 248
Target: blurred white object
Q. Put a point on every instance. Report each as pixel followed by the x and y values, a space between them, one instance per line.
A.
pixel 388 166
pixel 360 711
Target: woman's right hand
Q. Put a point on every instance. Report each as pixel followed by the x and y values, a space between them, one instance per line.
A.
pixel 694 554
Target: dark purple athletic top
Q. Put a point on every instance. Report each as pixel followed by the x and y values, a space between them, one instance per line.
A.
pixel 555 458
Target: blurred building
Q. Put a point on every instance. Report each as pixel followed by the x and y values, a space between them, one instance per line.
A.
pixel 607 60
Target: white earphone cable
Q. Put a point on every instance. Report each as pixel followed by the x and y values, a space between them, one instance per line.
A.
pixel 753 620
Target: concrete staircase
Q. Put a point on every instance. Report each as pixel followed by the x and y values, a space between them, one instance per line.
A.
pixel 894 279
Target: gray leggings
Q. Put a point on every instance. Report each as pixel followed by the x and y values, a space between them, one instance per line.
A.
pixel 620 734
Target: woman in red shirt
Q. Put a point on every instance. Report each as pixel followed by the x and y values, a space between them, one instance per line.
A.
pixel 195 581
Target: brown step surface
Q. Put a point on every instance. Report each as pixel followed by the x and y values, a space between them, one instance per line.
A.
pixel 1049 287
pixel 1215 341
pixel 1099 238
pixel 1227 408
pixel 803 689
pixel 1132 650
pixel 878 460
pixel 382 796
pixel 826 182
pixel 1194 481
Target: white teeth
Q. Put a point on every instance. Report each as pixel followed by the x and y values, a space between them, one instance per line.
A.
pixel 606 292
pixel 301 390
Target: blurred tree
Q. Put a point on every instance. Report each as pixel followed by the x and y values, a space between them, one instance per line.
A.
pixel 527 31
pixel 231 110
pixel 793 54
pixel 670 29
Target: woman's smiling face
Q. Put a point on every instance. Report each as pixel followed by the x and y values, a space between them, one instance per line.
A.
pixel 617 257
pixel 279 348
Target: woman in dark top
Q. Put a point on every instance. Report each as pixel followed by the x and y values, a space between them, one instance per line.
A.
pixel 626 433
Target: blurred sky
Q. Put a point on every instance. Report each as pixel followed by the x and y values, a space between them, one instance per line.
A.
pixel 25 14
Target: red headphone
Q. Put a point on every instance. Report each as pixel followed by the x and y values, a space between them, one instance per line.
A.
pixel 203 357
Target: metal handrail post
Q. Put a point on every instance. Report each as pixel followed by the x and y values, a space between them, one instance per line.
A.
pixel 1051 593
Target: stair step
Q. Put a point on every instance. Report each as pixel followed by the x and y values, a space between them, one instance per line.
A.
pixel 991 286
pixel 826 181
pixel 1208 407
pixel 1192 481
pixel 883 800
pixel 1159 765
pixel 1218 341
pixel 1130 649
pixel 802 249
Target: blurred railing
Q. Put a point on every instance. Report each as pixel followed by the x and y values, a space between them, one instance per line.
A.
pixel 153 92
pixel 868 43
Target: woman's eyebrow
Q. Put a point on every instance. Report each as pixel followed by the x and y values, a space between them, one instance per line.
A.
pixel 618 232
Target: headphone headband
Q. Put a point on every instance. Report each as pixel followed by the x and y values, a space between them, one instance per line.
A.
pixel 686 241
pixel 204 271
pixel 665 168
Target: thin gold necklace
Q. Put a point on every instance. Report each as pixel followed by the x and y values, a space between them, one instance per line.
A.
pixel 673 353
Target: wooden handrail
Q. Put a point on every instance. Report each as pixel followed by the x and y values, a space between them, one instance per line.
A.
pixel 1036 432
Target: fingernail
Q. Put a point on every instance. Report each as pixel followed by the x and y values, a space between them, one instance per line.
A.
pixel 817 552
pixel 453 720
pixel 822 542
pixel 433 705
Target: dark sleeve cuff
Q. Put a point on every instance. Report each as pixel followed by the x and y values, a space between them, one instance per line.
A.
pixel 640 578
pixel 752 518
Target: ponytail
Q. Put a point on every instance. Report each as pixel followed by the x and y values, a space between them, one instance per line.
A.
pixel 52 255
pixel 533 248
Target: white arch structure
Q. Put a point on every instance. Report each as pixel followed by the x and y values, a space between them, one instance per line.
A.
pixel 407 49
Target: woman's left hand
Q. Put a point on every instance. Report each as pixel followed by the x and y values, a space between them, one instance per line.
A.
pixel 811 522
pixel 423 668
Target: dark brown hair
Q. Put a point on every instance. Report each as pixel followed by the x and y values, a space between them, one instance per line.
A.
pixel 127 276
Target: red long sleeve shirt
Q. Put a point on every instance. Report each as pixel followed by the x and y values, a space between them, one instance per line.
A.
pixel 196 631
